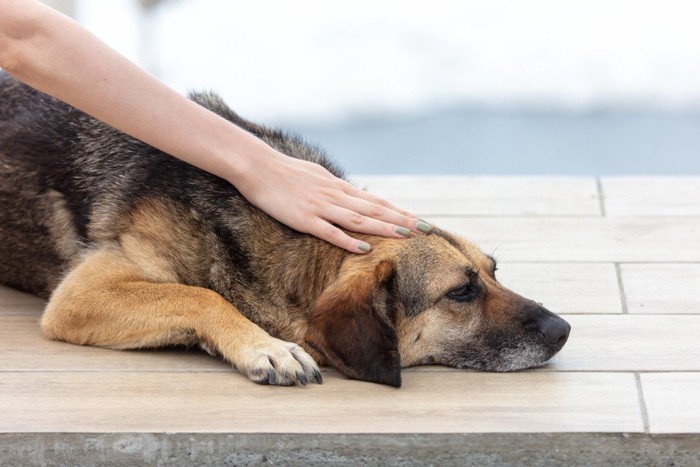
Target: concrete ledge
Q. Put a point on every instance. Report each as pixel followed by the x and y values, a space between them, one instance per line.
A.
pixel 505 449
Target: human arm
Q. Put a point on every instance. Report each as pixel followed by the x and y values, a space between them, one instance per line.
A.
pixel 55 55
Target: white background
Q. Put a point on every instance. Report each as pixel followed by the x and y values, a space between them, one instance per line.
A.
pixel 322 61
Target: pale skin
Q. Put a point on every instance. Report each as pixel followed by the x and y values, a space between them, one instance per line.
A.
pixel 57 56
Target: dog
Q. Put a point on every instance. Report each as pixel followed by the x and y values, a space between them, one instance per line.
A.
pixel 136 249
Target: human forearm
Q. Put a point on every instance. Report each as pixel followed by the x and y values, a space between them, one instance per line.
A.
pixel 49 52
pixel 54 54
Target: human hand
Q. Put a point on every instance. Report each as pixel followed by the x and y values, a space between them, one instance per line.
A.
pixel 308 198
pixel 62 59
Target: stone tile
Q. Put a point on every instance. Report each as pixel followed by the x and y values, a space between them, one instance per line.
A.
pixel 582 239
pixel 554 248
pixel 565 287
pixel 22 348
pixel 14 302
pixel 672 402
pixel 662 288
pixel 652 196
pixel 630 343
pixel 446 402
pixel 25 310
pixel 10 296
pixel 487 196
pixel 597 343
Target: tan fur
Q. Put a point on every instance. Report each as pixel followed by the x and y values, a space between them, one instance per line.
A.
pixel 132 295
pixel 107 302
pixel 164 242
pixel 138 249
pixel 60 224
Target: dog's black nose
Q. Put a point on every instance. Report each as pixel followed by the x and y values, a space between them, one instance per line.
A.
pixel 550 328
pixel 554 331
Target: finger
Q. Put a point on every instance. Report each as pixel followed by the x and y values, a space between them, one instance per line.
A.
pixel 381 209
pixel 358 222
pixel 386 215
pixel 371 206
pixel 369 197
pixel 335 236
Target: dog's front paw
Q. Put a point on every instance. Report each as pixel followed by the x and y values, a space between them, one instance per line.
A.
pixel 278 362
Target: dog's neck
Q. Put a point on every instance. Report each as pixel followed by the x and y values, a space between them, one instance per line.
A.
pixel 306 269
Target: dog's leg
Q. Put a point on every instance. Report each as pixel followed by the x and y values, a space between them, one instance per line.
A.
pixel 106 301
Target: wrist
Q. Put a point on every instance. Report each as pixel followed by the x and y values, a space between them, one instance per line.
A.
pixel 244 158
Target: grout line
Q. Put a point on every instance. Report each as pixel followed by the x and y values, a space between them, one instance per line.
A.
pixel 621 287
pixel 515 216
pixel 610 261
pixel 561 313
pixel 676 315
pixel 642 403
pixel 566 216
pixel 654 262
pixel 441 369
pixel 124 371
pixel 29 315
pixel 601 197
pixel 596 217
pixel 436 370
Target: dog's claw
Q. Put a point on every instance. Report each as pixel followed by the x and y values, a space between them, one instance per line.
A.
pixel 280 363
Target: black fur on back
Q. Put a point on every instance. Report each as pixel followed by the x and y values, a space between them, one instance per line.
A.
pixel 48 147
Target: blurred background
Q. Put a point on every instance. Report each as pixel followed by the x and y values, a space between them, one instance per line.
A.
pixel 580 87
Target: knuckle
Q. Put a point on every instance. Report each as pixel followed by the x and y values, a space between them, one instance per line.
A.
pixel 382 203
pixel 407 222
pixel 357 219
pixel 337 187
pixel 335 236
pixel 331 232
pixel 376 210
pixel 342 184
pixel 329 192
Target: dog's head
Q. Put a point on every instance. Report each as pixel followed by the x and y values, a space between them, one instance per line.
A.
pixel 429 299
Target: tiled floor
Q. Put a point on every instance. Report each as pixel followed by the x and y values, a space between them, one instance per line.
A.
pixel 619 257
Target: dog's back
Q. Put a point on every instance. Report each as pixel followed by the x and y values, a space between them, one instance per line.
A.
pixel 61 171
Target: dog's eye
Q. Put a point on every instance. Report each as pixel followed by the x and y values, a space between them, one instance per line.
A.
pixel 461 294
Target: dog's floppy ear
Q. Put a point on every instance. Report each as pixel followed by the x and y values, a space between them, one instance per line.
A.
pixel 351 333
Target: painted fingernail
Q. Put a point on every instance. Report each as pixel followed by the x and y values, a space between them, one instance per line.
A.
pixel 364 247
pixel 423 227
pixel 402 231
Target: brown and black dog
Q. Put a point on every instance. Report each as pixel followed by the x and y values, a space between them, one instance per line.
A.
pixel 139 250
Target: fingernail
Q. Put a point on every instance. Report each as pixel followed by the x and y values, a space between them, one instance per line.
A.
pixel 402 231
pixel 364 247
pixel 423 227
